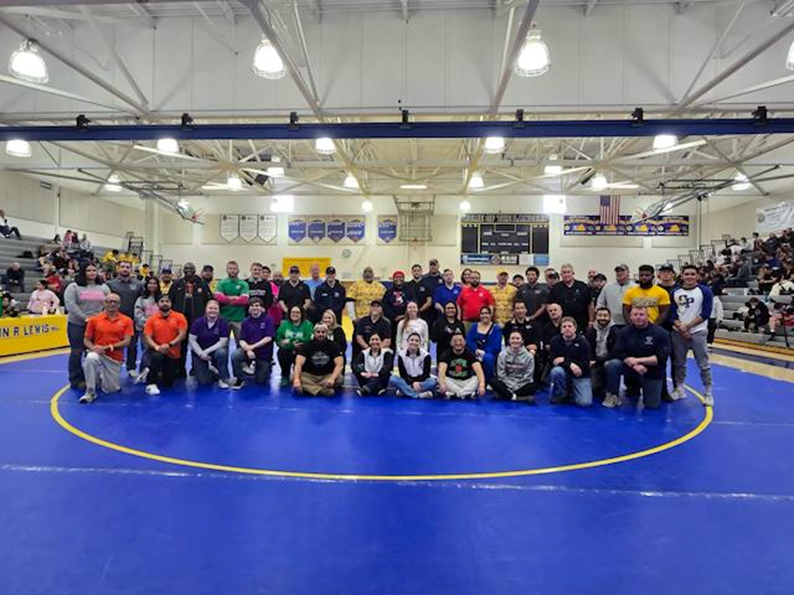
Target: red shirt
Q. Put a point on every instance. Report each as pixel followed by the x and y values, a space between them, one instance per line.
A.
pixel 103 330
pixel 471 300
pixel 164 329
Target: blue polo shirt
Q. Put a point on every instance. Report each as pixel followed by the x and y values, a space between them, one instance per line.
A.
pixel 207 336
pixel 444 295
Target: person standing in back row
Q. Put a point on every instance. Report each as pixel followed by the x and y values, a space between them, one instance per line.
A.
pixel 129 289
pixel 574 297
pixel 330 295
pixel 647 295
pixel 472 299
pixel 611 297
pixel 362 293
pixel 83 298
pixel 504 296
pixel 189 296
pixel 535 295
pixel 232 294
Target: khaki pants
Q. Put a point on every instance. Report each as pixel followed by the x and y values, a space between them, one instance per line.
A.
pixel 315 385
pixel 103 370
pixel 463 388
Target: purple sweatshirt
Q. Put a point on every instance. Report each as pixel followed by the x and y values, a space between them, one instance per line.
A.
pixel 254 330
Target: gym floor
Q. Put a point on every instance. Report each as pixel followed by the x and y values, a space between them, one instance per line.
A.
pixel 211 491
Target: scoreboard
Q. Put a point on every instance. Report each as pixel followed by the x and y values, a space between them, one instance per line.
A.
pixel 504 239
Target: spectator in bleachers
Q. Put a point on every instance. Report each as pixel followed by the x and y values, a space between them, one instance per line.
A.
pixel 54 280
pixel 43 301
pixel 782 287
pixel 7 230
pixel 757 315
pixel 15 278
pixel 716 318
pixel 8 306
pixel 86 249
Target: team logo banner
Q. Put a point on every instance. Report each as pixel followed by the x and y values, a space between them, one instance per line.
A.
pixel 591 225
pixel 335 230
pixel 355 229
pixel 297 229
pixel 387 229
pixel 316 230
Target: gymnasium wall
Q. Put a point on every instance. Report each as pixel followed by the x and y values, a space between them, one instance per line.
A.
pixel 38 211
pixel 203 245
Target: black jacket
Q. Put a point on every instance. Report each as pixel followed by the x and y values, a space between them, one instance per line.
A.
pixel 180 293
pixel 330 298
pixel 576 352
pixel 612 338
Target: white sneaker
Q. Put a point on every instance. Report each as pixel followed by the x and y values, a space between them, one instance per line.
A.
pixel 222 384
pixel 428 394
pixel 708 398
pixel 132 374
pixel 88 397
pixel 610 401
pixel 141 378
pixel 248 369
pixel 152 390
pixel 678 394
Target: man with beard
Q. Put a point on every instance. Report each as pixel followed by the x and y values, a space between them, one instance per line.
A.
pixel 575 298
pixel 416 290
pixel 318 365
pixel 208 276
pixel 361 294
pixel 128 288
pixel 163 335
pixel 259 287
pixel 366 326
pixel 472 299
pixel 535 295
pixel 189 296
pixel 330 295
pixel 602 337
pixel 395 301
pixel 667 281
pixel 652 297
pixel 431 282
pixel 294 293
pixel 232 295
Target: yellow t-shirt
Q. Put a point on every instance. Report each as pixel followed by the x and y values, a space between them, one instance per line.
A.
pixel 363 293
pixel 503 299
pixel 651 298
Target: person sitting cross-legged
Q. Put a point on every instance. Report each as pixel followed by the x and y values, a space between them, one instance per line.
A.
pixel 106 336
pixel 460 373
pixel 255 352
pixel 209 342
pixel 570 360
pixel 163 336
pixel 639 349
pixel 515 371
pixel 414 379
pixel 318 365
pixel 372 368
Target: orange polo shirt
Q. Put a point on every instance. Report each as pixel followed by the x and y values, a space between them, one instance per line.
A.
pixel 164 329
pixel 104 330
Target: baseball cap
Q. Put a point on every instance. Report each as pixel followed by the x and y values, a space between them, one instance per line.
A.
pixel 600 277
pixel 376 303
pixel 667 267
pixel 294 269
pixel 622 267
pixel 207 267
pixel 330 271
pixel 433 261
pixel 395 273
pixel 166 270
pixel 501 272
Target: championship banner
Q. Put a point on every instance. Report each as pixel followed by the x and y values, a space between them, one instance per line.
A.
pixel 591 225
pixel 297 229
pixel 32 333
pixel 775 219
pixel 387 228
pixel 305 264
pixel 316 229
pixel 355 229
pixel 335 229
pixel 230 227
pixel 248 227
pixel 268 228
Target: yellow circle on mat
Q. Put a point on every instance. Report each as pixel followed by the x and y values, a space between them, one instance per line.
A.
pixel 56 414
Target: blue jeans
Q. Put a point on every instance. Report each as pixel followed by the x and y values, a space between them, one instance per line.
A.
pixel 219 359
pixel 75 333
pixel 488 366
pixel 651 387
pixel 398 383
pixel 261 367
pixel 562 380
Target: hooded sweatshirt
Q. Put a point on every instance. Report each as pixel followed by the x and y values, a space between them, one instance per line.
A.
pixel 414 368
pixel 515 369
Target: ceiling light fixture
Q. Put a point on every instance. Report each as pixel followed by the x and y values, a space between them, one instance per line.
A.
pixel 282 203
pixel 476 181
pixel 366 206
pixel 183 203
pixel 664 141
pixel 413 186
pixel 741 182
pixel 168 145
pixel 18 148
pixel 554 204
pixel 113 184
pixel 275 169
pixel 464 206
pixel 494 145
pixel 26 63
pixel 325 146
pixel 234 183
pixel 534 58
pixel 350 182
pixel 552 169
pixel 267 63
pixel 790 57
pixel 599 182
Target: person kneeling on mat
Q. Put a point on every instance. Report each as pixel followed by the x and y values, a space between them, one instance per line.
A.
pixel 209 342
pixel 106 336
pixel 163 335
pixel 515 371
pixel 570 358
pixel 254 355
pixel 460 373
pixel 640 348
pixel 414 363
pixel 372 368
pixel 318 365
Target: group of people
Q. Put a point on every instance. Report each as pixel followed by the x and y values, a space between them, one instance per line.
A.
pixel 511 339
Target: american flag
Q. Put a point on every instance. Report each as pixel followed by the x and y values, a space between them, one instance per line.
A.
pixel 609 210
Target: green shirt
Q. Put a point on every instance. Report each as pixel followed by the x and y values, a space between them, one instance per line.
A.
pixel 232 288
pixel 287 330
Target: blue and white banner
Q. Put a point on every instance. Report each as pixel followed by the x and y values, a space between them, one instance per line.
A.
pixel 355 229
pixel 335 229
pixel 387 228
pixel 297 229
pixel 316 229
pixel 775 218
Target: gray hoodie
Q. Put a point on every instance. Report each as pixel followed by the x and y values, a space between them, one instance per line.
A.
pixel 83 301
pixel 515 369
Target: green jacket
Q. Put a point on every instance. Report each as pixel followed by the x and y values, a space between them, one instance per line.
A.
pixel 287 330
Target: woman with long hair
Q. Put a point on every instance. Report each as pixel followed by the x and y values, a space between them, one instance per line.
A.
pixel 293 332
pixel 372 368
pixel 414 379
pixel 412 324
pixel 83 298
pixel 485 340
pixel 446 326
pixel 336 333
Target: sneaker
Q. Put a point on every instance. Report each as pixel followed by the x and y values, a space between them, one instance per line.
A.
pixel 152 390
pixel 678 393
pixel 248 369
pixel 381 392
pixel 359 392
pixel 449 395
pixel 428 394
pixel 470 396
pixel 132 374
pixel 708 398
pixel 237 384
pixel 513 397
pixel 610 401
pixel 141 378
pixel 558 399
pixel 88 397
pixel 223 384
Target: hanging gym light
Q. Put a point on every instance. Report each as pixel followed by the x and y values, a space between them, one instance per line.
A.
pixel 350 182
pixel 113 184
pixel 168 145
pixel 18 148
pixel 464 206
pixel 552 169
pixel 534 58
pixel 740 182
pixel 494 145
pixel 790 57
pixel 476 181
pixel 366 206
pixel 599 182
pixel 554 204
pixel 267 63
pixel 325 146
pixel 234 183
pixel 27 64
pixel 664 141
pixel 275 169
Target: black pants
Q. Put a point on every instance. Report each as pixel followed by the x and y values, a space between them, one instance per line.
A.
pixel 286 359
pixel 6 231
pixel 162 369
pixel 503 392
pixel 712 326
pixel 373 386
